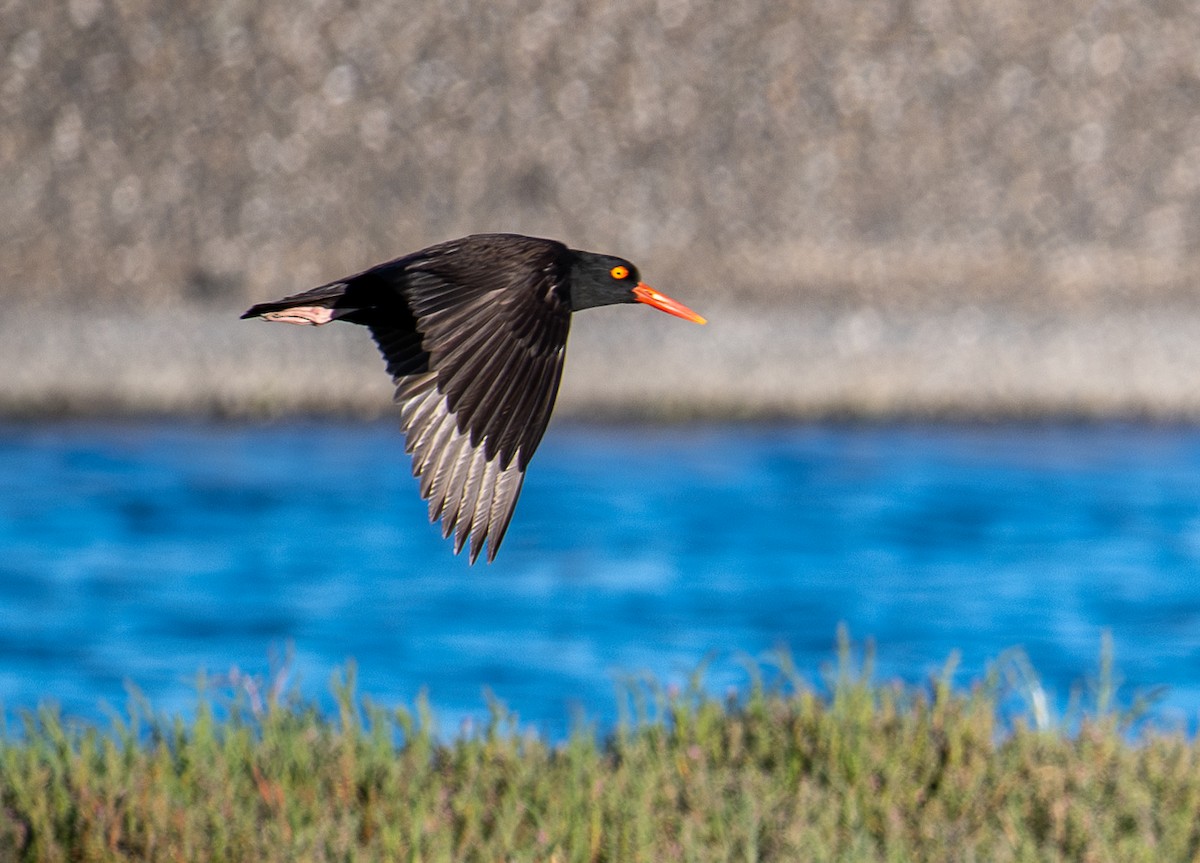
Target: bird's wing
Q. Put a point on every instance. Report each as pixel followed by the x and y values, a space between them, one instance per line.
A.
pixel 476 366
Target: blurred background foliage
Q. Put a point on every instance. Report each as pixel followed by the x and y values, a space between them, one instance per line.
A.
pixel 884 151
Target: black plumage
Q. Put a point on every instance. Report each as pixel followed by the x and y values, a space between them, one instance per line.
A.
pixel 473 332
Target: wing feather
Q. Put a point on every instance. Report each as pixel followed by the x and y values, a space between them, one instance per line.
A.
pixel 494 335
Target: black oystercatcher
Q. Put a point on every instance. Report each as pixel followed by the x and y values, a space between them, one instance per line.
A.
pixel 473 332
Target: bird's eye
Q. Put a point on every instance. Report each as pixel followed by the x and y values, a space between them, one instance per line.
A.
pixel 619 272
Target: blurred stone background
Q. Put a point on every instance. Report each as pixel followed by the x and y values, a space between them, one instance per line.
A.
pixel 927 205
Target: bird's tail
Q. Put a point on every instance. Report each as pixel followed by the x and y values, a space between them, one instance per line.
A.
pixel 312 308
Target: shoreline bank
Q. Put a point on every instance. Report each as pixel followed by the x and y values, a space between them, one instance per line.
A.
pixel 794 362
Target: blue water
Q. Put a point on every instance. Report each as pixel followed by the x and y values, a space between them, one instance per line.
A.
pixel 146 552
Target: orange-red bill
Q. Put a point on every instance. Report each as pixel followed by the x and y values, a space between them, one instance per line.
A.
pixel 649 296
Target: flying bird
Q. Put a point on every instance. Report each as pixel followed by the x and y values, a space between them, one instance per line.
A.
pixel 473 332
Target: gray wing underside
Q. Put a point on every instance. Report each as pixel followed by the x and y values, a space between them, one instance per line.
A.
pixel 472 495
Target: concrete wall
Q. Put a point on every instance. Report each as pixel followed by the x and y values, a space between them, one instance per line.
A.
pixel 892 151
pixel 931 207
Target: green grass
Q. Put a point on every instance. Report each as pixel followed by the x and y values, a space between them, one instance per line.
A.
pixel 851 771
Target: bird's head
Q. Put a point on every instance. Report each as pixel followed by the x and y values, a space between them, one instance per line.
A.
pixel 603 280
